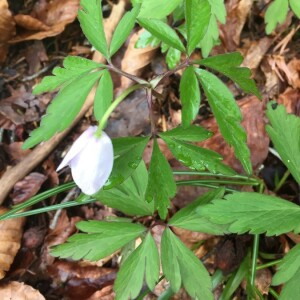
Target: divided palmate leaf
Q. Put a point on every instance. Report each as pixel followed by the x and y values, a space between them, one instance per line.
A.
pixel 189 219
pixel 161 185
pixel 227 114
pixel 128 152
pixel 91 22
pixel 197 15
pixel 181 266
pixel 192 133
pixel 229 65
pixel 189 95
pixel 100 240
pixel 143 263
pixel 74 67
pixel 129 197
pixel 162 31
pixel 284 132
pixel 197 158
pixel 123 30
pixel 104 95
pixel 295 6
pixel 276 13
pixel 253 212
pixel 157 9
pixel 63 109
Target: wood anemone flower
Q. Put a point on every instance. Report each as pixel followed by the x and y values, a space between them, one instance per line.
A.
pixel 91 160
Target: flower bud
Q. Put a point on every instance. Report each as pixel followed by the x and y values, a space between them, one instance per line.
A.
pixel 91 160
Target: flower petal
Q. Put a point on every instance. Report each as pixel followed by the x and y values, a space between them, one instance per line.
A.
pixel 77 147
pixel 93 165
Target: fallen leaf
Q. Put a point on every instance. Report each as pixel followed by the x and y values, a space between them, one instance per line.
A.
pixel 19 291
pixel 28 187
pixel 35 55
pixel 290 98
pixel 107 293
pixel 257 139
pixel 15 151
pixel 10 238
pixel 7 28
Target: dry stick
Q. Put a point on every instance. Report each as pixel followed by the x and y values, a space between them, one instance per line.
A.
pixel 32 160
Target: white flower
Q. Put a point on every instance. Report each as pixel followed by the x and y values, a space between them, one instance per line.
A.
pixel 91 160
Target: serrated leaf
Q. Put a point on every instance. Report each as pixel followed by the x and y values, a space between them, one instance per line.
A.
pixel 192 133
pixel 197 15
pixel 104 95
pixel 161 185
pixel 162 31
pixel 74 67
pixel 218 9
pixel 157 9
pixel 63 109
pixel 129 197
pixel 289 266
pixel 197 158
pixel 173 57
pixel 295 6
pixel 229 65
pixel 254 212
pixel 91 22
pixel 103 239
pixel 180 265
pixel 189 219
pixel 128 153
pixel 123 30
pixel 189 95
pixel 142 262
pixel 227 114
pixel 284 132
pixel 276 13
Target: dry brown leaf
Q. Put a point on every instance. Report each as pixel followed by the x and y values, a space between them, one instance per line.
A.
pixel 7 28
pixel 107 293
pixel 15 151
pixel 28 187
pixel 10 238
pixel 19 291
pixel 257 139
pixel 135 60
pixel 237 14
pixel 291 100
pixel 47 19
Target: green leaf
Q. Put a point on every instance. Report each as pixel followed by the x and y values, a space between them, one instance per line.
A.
pixel 180 265
pixel 123 30
pixel 218 9
pixel 254 212
pixel 63 109
pixel 142 263
pixel 276 13
pixel 104 95
pixel 192 133
pixel 197 158
pixel 128 153
pixel 227 114
pixel 157 9
pixel 103 239
pixel 228 64
pixel 74 67
pixel 173 57
pixel 129 197
pixel 161 185
pixel 289 266
pixel 284 132
pixel 162 31
pixel 189 95
pixel 291 289
pixel 295 6
pixel 197 15
pixel 91 22
pixel 189 219
pixel 147 39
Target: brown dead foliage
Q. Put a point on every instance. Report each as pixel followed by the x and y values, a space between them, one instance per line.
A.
pixel 10 238
pixel 291 100
pixel 19 291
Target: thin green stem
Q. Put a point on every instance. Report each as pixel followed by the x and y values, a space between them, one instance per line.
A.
pixel 269 264
pixel 273 293
pixel 254 259
pixel 114 105
pixel 197 183
pixel 282 181
pixel 222 181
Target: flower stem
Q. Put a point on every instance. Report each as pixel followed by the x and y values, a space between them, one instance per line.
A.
pixel 113 106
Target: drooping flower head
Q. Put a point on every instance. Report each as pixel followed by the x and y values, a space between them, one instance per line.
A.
pixel 91 160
